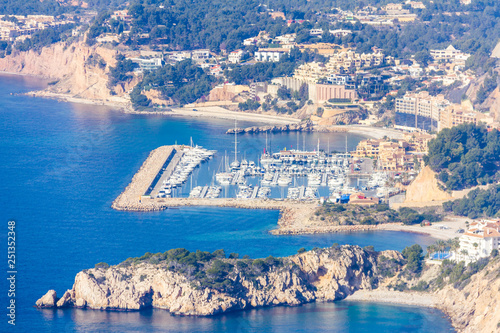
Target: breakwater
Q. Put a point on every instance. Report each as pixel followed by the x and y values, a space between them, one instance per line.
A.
pixel 133 198
pixel 306 126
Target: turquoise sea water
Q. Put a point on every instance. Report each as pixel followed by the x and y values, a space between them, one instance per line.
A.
pixel 61 166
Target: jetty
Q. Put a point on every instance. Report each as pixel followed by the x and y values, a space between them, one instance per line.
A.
pixel 132 198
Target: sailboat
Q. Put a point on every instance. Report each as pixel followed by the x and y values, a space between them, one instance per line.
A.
pixel 235 165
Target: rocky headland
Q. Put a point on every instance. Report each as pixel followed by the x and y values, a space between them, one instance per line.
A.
pixel 201 283
pixel 204 284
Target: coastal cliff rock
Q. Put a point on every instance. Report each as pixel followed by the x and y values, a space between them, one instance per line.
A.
pixel 48 300
pixel 220 285
pixel 78 70
pixel 476 307
pixel 425 188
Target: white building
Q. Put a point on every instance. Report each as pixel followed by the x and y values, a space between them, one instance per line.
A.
pixel 478 242
pixel 180 56
pixel 200 55
pixel 316 32
pixel 449 54
pixel 148 64
pixel 267 55
pixel 235 56
pixel 340 32
pixel 422 104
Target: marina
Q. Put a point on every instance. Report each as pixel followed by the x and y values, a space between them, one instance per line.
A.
pixel 171 177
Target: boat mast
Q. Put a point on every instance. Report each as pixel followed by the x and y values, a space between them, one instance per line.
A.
pixel 235 142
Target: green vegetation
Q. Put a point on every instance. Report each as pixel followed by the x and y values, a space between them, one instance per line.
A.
pixel 249 105
pixel 212 270
pixel 477 203
pixel 183 82
pixel 458 274
pixel 489 84
pixel 45 37
pixel 345 214
pixel 120 73
pixel 29 7
pixel 414 258
pixel 265 71
pixel 464 156
pixel 102 265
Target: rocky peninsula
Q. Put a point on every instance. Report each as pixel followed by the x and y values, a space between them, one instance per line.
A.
pixel 204 284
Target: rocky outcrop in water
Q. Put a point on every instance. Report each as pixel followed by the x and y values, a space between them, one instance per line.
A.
pixel 194 284
pixel 306 126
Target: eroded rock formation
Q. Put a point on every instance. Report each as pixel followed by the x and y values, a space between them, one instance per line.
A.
pixel 322 274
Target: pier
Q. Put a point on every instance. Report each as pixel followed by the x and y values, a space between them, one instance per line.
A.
pixel 132 197
pixel 171 163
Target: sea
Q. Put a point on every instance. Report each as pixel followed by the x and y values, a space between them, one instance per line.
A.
pixel 62 165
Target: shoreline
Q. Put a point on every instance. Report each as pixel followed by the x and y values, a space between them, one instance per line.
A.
pixel 413 298
pixel 215 112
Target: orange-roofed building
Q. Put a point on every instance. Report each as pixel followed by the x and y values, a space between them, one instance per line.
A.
pixel 480 239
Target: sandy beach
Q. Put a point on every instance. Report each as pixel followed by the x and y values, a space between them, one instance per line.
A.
pixel 394 297
pixel 216 112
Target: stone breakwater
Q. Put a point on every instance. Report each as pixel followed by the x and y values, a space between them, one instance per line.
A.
pixel 319 275
pixel 131 199
pixel 300 127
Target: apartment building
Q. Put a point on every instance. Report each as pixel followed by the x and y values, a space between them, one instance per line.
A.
pixel 391 155
pixel 422 104
pixel 147 64
pixel 311 72
pixel 457 114
pixel 348 60
pixel 479 240
pixel 321 93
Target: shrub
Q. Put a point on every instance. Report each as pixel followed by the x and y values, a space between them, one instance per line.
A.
pixel 301 250
pixel 102 265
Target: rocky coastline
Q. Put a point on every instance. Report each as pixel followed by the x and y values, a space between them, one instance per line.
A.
pixel 318 275
pixel 204 284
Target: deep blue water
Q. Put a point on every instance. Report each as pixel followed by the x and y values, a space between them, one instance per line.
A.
pixel 61 166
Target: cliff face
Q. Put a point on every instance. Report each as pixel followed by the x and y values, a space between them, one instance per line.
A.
pixel 425 188
pixel 476 308
pixel 328 274
pixel 80 70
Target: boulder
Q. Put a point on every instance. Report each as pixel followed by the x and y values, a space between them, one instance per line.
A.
pixel 48 300
pixel 66 300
